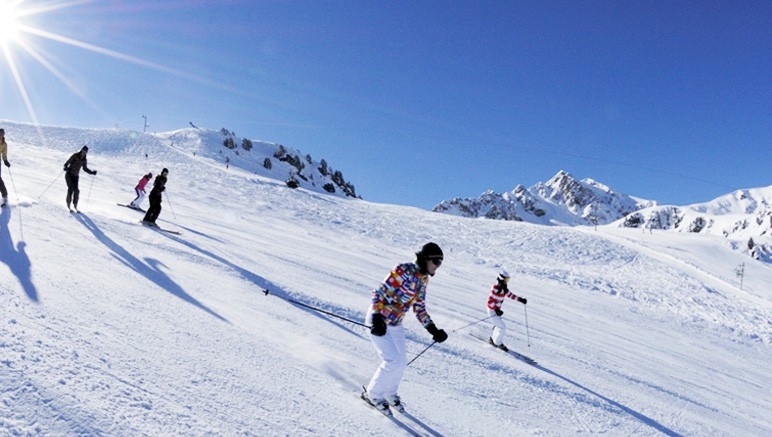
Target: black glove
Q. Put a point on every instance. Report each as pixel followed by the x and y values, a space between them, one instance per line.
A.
pixel 7 164
pixel 499 312
pixel 379 325
pixel 94 173
pixel 64 168
pixel 438 335
pixel 522 300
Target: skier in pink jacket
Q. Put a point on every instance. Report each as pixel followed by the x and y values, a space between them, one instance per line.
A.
pixel 499 292
pixel 140 190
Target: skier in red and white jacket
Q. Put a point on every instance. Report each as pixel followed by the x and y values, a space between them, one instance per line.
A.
pixel 499 292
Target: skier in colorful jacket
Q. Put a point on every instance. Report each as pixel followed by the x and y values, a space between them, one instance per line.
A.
pixel 499 292
pixel 140 190
pixel 403 289
pixel 4 157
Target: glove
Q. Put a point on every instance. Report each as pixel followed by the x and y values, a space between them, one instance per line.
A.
pixel 499 312
pixel 7 164
pixel 94 173
pixel 379 325
pixel 522 300
pixel 64 168
pixel 438 335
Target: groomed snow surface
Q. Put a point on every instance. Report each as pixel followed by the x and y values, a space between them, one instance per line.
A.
pixel 111 328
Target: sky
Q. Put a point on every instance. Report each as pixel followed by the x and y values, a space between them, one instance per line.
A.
pixel 111 328
pixel 420 102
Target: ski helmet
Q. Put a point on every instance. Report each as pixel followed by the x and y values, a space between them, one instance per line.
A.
pixel 503 275
pixel 430 251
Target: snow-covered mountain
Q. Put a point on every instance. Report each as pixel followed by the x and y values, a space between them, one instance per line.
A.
pixel 221 147
pixel 743 217
pixel 563 200
pixel 111 328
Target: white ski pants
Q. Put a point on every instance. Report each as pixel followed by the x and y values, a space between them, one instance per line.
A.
pixel 393 354
pixel 499 328
pixel 140 197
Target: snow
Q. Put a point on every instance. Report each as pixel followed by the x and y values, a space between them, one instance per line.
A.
pixel 111 328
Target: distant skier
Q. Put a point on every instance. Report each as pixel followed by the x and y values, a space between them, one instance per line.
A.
pixel 140 190
pixel 495 300
pixel 72 168
pixel 4 157
pixel 403 289
pixel 155 198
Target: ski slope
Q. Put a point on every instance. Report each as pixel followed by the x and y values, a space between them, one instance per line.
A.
pixel 111 328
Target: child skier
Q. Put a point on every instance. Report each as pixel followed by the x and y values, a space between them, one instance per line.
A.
pixel 140 190
pixel 495 300
pixel 403 289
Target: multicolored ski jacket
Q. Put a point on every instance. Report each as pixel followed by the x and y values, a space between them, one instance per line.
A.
pixel 497 296
pixel 405 287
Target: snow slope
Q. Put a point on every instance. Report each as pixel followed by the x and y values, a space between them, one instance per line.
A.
pixel 111 328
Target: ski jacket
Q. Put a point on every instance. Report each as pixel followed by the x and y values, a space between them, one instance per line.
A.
pixel 403 289
pixel 76 161
pixel 159 185
pixel 142 183
pixel 3 150
pixel 498 293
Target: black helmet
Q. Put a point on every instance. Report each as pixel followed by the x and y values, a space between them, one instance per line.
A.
pixel 165 171
pixel 429 251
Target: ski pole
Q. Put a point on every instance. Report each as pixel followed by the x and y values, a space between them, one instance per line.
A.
pixel 421 353
pixel 316 309
pixel 49 185
pixel 169 201
pixel 89 189
pixel 473 323
pixel 13 184
pixel 527 331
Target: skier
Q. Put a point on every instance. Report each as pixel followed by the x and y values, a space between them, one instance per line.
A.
pixel 404 288
pixel 72 175
pixel 495 300
pixel 159 185
pixel 4 157
pixel 140 190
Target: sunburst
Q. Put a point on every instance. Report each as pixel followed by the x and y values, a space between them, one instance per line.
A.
pixel 20 38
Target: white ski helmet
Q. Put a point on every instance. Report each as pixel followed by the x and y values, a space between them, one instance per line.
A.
pixel 503 275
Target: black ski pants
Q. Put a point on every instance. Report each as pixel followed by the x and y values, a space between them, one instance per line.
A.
pixel 155 207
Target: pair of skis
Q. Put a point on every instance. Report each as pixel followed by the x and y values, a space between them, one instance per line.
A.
pixel 169 231
pixel 519 356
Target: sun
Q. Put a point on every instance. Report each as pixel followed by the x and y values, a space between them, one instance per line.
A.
pixel 25 44
pixel 9 22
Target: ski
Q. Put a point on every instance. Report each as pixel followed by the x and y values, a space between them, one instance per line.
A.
pixel 524 358
pixel 131 207
pixel 387 412
pixel 157 228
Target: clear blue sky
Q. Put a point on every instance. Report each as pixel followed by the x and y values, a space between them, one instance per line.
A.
pixel 418 102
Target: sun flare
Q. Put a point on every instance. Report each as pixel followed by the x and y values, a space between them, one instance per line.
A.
pixel 9 24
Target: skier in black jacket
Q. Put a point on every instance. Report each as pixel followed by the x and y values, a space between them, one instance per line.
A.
pixel 155 198
pixel 72 169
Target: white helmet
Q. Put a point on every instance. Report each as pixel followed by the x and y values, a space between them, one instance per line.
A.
pixel 503 275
